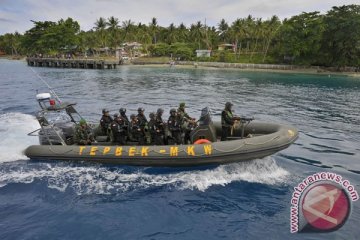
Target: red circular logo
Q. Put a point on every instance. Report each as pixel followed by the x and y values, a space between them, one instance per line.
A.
pixel 325 207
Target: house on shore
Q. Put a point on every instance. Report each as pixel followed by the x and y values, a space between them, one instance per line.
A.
pixel 203 53
pixel 226 46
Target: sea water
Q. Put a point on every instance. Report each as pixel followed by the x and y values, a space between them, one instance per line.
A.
pixel 250 200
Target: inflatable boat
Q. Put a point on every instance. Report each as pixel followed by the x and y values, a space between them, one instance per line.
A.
pixel 249 140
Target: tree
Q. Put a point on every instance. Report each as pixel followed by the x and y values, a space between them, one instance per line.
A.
pixel 182 33
pixel 100 26
pixel 128 27
pixel 301 37
pixel 197 33
pixel 223 29
pixel 154 29
pixel 34 40
pixel 10 43
pixel 50 37
pixel 237 34
pixel 258 33
pixel 171 34
pixel 271 27
pixel 341 37
pixel 113 27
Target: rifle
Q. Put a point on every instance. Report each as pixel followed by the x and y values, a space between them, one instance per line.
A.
pixel 242 121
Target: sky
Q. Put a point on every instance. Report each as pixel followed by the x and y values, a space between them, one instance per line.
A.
pixel 16 15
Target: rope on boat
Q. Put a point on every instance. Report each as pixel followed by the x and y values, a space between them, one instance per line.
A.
pixel 53 151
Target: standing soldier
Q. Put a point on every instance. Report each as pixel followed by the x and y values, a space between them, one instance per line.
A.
pixel 122 112
pixel 160 128
pixel 152 127
pixel 105 122
pixel 143 123
pixel 187 123
pixel 227 121
pixel 174 125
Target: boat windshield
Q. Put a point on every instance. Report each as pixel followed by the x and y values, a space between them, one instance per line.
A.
pixel 57 117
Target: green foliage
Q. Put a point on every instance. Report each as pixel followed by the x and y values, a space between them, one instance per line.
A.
pixel 341 38
pixel 161 49
pixel 300 37
pixel 180 51
pixel 49 37
pixel 331 39
pixel 11 43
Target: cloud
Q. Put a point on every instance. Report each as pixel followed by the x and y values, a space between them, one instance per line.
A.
pixel 5 20
pixel 18 13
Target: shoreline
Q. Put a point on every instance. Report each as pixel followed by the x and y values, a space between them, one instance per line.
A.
pixel 250 67
pixel 247 67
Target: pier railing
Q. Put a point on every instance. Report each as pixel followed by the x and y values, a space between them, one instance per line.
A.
pixel 72 63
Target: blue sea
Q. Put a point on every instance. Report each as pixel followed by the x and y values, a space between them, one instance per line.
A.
pixel 250 200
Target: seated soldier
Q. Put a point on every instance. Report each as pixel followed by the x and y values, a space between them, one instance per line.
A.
pixel 83 134
pixel 117 129
pixel 105 122
pixel 136 133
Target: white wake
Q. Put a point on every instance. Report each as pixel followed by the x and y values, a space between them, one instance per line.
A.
pixel 14 128
pixel 98 179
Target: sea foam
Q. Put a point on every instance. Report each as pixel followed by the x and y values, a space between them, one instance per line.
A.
pixel 14 128
pixel 99 179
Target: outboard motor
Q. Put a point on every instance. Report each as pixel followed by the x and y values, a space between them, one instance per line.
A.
pixel 205 129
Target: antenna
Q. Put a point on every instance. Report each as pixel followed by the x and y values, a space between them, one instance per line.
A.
pixel 49 87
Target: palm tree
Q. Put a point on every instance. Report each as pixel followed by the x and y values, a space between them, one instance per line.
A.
pixel 182 33
pixel 113 27
pixel 272 27
pixel 154 29
pixel 258 33
pixel 249 31
pixel 142 35
pixel 223 28
pixel 171 34
pixel 196 33
pixel 237 32
pixel 100 26
pixel 127 26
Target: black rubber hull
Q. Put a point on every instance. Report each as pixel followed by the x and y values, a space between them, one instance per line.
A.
pixel 269 139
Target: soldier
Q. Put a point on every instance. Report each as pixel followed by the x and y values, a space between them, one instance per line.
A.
pixel 83 134
pixel 187 123
pixel 135 129
pixel 117 128
pixel 227 121
pixel 174 125
pixel 105 122
pixel 152 127
pixel 160 128
pixel 143 123
pixel 122 112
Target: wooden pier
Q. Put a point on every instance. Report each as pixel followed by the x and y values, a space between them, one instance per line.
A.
pixel 71 63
